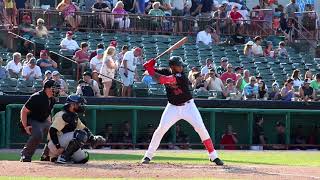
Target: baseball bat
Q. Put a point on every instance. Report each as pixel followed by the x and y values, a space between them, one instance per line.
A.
pixel 173 47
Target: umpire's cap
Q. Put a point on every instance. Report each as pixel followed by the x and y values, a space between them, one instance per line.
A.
pixel 74 98
pixel 175 61
pixel 50 83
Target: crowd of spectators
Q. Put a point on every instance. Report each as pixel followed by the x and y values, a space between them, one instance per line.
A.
pixel 232 16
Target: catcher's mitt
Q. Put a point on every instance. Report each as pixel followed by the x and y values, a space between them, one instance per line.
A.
pixel 97 141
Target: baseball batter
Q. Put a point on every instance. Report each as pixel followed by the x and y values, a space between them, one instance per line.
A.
pixel 180 106
pixel 68 134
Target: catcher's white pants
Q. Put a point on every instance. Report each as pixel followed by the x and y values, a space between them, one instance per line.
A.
pixel 64 140
pixel 173 114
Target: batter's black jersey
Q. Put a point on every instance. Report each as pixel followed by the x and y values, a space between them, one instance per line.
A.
pixel 40 106
pixel 179 93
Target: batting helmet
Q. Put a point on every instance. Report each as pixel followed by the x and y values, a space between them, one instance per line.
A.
pixel 175 61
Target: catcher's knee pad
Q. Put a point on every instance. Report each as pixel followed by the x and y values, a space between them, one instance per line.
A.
pixel 85 160
pixel 81 136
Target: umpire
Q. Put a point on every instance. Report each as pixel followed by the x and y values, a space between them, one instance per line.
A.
pixel 36 120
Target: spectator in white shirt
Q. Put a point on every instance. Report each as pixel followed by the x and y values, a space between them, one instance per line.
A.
pixel 14 67
pixel 68 43
pixel 31 71
pixel 205 36
pixel 205 69
pixel 214 83
pixel 96 64
pixel 257 48
pixel 297 82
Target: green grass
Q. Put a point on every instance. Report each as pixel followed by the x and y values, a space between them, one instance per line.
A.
pixel 291 158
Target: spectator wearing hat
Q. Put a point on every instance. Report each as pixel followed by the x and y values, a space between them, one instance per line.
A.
pixel 14 67
pixel 243 81
pixel 281 137
pixel 228 74
pixel 68 44
pixel 230 91
pixel 46 63
pixel 41 29
pixel 306 92
pixel 257 48
pixel 87 86
pixel 96 64
pixel 128 71
pixel 223 66
pixel 3 71
pixel 207 67
pixel 69 10
pixel 47 76
pixel 213 83
pixel 251 90
pixel 248 51
pixel 287 92
pixel 275 92
pixel 32 71
pixel 108 70
pixel 26 28
pixel 94 53
pixel 11 11
pixel 56 76
pixel 205 36
pixel 82 57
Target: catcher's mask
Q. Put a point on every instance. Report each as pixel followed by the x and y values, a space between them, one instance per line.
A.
pixel 76 99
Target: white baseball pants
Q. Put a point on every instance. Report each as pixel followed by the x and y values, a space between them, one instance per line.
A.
pixel 173 114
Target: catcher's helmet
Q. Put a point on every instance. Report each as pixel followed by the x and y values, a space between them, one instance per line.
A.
pixel 175 61
pixel 75 99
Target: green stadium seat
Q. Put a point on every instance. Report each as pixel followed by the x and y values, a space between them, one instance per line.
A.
pixel 140 89
pixel 72 85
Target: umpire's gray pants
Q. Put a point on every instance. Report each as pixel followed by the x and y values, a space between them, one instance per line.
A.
pixel 39 130
pixel 64 140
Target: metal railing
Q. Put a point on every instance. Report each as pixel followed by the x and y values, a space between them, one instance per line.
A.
pixel 100 21
pixel 70 60
pixel 24 39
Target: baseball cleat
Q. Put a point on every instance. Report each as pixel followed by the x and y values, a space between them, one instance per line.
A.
pixel 25 159
pixel 44 158
pixel 145 160
pixel 218 162
pixel 61 160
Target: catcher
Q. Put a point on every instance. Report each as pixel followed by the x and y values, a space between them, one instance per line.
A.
pixel 67 134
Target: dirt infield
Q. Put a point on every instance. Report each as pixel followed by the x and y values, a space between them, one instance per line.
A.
pixel 100 169
pixel 113 169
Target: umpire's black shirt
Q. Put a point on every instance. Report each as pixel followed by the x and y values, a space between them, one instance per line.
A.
pixel 179 93
pixel 40 106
